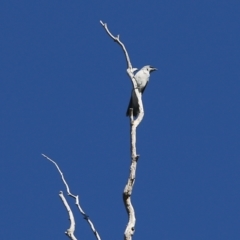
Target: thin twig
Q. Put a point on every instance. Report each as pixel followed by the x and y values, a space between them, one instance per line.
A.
pixel 130 229
pixel 117 39
pixel 85 216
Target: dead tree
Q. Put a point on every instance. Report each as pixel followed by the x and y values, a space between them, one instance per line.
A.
pixel 134 122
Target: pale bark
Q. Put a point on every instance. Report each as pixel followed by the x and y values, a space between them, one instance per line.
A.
pixel 85 216
pixel 130 229
pixel 71 230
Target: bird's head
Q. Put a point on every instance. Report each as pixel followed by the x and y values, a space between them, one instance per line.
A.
pixel 149 68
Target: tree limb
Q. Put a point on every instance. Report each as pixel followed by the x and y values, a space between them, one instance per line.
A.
pixel 70 231
pixel 130 71
pixel 85 216
pixel 130 229
pixel 117 40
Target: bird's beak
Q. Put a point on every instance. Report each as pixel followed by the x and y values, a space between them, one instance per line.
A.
pixel 153 69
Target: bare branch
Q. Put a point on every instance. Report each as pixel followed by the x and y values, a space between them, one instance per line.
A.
pixel 70 231
pixel 130 229
pixel 130 183
pixel 117 39
pixel 85 216
pixel 130 71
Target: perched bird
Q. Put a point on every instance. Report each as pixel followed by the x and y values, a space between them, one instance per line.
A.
pixel 142 78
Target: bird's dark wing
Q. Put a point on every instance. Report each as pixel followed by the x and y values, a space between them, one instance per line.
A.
pixel 133 104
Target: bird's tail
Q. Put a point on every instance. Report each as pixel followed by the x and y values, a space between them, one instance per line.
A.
pixel 133 103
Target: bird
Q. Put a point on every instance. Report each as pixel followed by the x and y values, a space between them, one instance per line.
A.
pixel 142 79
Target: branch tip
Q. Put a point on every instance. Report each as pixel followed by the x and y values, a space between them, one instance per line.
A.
pixel 116 39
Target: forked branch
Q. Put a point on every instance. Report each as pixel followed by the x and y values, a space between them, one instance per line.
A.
pixel 85 216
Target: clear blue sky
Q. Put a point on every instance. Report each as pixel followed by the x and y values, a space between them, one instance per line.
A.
pixel 64 92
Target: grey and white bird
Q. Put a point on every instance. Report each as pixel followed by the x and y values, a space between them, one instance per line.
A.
pixel 142 79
